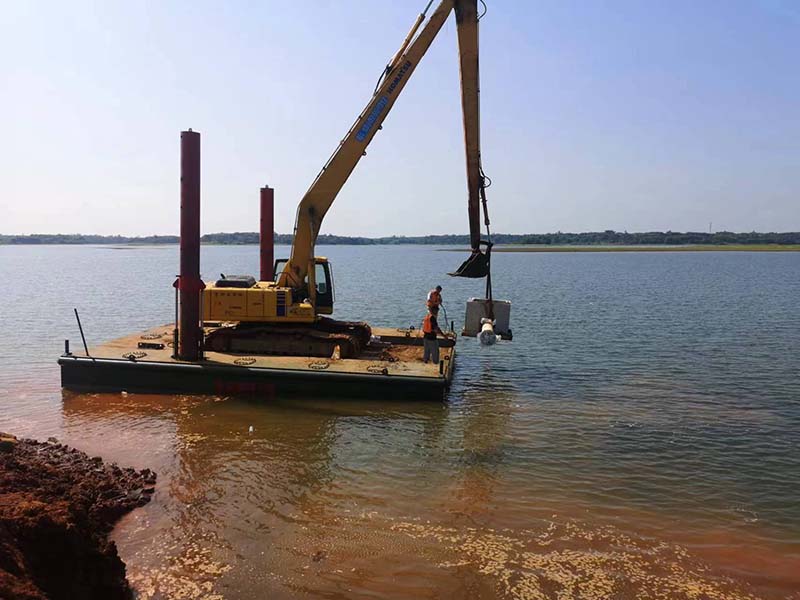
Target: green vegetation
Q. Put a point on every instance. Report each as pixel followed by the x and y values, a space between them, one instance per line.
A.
pixel 59 238
pixel 597 239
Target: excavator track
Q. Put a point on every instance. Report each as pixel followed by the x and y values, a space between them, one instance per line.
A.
pixel 318 339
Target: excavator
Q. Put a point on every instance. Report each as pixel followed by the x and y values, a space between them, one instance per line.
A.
pixel 285 316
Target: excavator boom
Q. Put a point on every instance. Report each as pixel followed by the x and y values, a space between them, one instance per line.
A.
pixel 323 191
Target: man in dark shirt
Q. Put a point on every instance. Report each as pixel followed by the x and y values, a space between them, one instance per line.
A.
pixel 430 327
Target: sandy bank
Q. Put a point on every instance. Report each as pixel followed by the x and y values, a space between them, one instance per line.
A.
pixel 57 507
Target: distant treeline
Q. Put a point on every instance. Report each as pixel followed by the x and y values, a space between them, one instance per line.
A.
pixel 608 237
pixel 79 238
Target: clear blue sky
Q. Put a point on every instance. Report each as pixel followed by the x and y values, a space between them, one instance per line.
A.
pixel 626 115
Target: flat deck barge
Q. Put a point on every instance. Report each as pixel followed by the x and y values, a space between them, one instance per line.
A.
pixel 390 367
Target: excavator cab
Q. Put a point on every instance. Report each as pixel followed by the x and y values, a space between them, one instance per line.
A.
pixel 323 283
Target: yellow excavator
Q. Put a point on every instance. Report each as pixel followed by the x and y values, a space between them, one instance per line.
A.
pixel 284 316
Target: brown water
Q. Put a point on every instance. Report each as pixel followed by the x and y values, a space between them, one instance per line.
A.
pixel 638 439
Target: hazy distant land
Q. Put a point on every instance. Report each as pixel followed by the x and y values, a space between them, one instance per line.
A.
pixel 602 241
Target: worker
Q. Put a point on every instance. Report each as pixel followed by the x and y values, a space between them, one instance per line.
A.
pixel 430 343
pixel 435 297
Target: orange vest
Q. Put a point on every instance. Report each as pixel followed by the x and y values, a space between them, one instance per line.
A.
pixel 434 298
pixel 427 326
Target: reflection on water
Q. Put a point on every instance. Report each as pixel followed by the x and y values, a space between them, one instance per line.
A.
pixel 262 500
pixel 639 438
pixel 318 491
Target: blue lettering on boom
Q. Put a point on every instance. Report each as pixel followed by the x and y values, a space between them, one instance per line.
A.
pixel 373 116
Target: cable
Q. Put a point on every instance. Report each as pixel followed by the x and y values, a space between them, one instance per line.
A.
pixel 487 181
pixel 383 74
pixel 485 9
pixel 446 320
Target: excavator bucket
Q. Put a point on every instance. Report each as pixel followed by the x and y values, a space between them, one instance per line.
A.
pixel 475 267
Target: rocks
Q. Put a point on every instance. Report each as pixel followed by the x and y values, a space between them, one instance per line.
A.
pixel 319 555
pixel 57 507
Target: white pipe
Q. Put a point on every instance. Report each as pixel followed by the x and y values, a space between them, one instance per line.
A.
pixel 487 336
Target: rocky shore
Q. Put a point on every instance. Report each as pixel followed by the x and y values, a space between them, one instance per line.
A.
pixel 57 507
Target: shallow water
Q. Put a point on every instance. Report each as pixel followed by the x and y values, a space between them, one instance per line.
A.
pixel 640 437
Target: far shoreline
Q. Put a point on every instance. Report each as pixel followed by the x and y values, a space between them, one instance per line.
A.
pixel 682 248
pixel 501 248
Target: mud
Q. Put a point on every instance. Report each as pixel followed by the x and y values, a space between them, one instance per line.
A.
pixel 57 507
pixel 402 353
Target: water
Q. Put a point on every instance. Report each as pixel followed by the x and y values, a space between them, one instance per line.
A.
pixel 640 437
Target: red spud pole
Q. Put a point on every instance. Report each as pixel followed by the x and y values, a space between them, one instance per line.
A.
pixel 189 282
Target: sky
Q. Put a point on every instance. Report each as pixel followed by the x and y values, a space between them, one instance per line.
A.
pixel 630 115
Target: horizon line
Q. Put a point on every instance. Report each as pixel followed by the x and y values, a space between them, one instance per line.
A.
pixel 403 236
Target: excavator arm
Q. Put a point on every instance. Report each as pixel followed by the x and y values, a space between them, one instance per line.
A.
pixel 477 265
pixel 467 20
pixel 323 191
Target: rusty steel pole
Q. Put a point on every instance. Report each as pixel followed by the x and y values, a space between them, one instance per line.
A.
pixel 267 234
pixel 189 283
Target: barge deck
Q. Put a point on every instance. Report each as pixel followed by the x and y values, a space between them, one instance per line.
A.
pixel 390 367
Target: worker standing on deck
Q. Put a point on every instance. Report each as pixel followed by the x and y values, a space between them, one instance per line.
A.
pixel 435 297
pixel 430 343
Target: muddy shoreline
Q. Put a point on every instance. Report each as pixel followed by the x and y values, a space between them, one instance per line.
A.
pixel 57 507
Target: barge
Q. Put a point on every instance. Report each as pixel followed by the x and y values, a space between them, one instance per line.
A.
pixel 390 367
pixel 242 336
